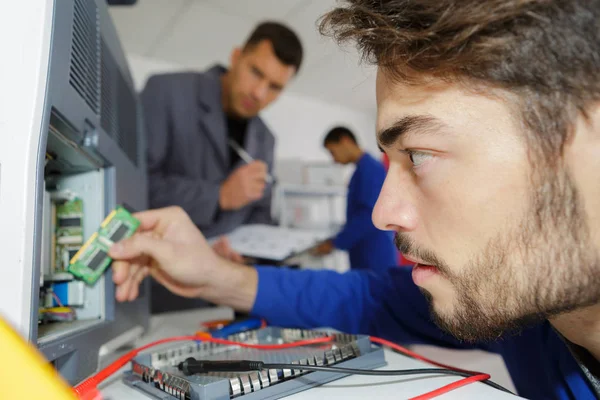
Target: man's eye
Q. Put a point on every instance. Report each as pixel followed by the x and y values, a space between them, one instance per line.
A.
pixel 418 158
pixel 256 72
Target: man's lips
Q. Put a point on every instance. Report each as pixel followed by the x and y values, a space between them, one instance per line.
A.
pixel 421 270
pixel 421 273
pixel 248 103
pixel 414 260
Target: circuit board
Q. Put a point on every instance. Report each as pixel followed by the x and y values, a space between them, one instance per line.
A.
pixel 90 262
pixel 157 374
pixel 69 232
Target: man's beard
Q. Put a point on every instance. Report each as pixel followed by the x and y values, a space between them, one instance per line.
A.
pixel 541 267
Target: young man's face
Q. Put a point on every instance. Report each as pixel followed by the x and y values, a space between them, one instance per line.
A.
pixel 257 79
pixel 339 151
pixel 507 239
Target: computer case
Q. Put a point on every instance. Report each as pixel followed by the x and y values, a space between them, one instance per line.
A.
pixel 70 127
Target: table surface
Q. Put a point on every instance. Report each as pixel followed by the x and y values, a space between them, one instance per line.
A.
pixel 350 387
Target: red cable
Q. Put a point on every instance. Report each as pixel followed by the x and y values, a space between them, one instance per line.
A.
pixel 325 339
pixel 477 376
pixel 452 386
pixel 92 382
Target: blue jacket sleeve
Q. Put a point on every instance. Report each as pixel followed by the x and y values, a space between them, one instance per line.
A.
pixel 385 304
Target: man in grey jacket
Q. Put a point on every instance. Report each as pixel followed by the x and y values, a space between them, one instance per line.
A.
pixel 194 123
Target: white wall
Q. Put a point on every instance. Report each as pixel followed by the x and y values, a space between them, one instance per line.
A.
pixel 301 122
pixel 298 122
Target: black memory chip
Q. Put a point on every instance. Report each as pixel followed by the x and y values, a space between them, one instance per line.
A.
pixel 69 222
pixel 119 233
pixel 97 260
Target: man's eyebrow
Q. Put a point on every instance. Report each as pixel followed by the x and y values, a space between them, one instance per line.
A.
pixel 409 125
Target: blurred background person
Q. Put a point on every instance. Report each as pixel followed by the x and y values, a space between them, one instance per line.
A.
pixel 367 246
pixel 196 124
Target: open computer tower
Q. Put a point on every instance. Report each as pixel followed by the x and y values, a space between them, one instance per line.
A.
pixel 71 150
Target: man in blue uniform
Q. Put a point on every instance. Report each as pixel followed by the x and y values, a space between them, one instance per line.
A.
pixel 367 246
pixel 489 112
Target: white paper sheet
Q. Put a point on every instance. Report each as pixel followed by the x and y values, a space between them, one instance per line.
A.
pixel 274 242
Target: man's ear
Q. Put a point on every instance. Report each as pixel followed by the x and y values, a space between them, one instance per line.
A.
pixel 235 56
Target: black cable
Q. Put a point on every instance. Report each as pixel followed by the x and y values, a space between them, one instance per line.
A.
pixel 389 372
pixel 487 381
pixel 372 372
pixel 192 366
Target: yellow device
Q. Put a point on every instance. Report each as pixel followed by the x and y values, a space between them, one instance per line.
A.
pixel 25 373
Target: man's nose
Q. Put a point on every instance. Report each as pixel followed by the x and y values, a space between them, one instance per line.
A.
pixel 395 209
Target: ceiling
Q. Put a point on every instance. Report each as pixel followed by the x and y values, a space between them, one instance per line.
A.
pixel 198 33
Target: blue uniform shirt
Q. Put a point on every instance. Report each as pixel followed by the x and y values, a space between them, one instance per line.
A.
pixel 367 246
pixel 389 305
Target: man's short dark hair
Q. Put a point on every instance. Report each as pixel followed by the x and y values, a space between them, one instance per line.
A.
pixel 337 133
pixel 286 44
pixel 544 52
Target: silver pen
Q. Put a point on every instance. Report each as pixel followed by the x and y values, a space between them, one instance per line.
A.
pixel 246 157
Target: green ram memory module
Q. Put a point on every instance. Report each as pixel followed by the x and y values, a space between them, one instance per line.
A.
pixel 90 262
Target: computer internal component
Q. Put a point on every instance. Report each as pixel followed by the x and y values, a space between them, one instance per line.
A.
pixel 67 253
pixel 69 231
pixel 56 314
pixel 69 222
pixel 70 294
pixel 90 262
pixel 157 374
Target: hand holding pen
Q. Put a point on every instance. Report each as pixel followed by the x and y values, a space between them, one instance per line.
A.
pixel 246 184
pixel 248 159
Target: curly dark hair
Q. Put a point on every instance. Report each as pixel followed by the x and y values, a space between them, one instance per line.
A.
pixel 546 52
